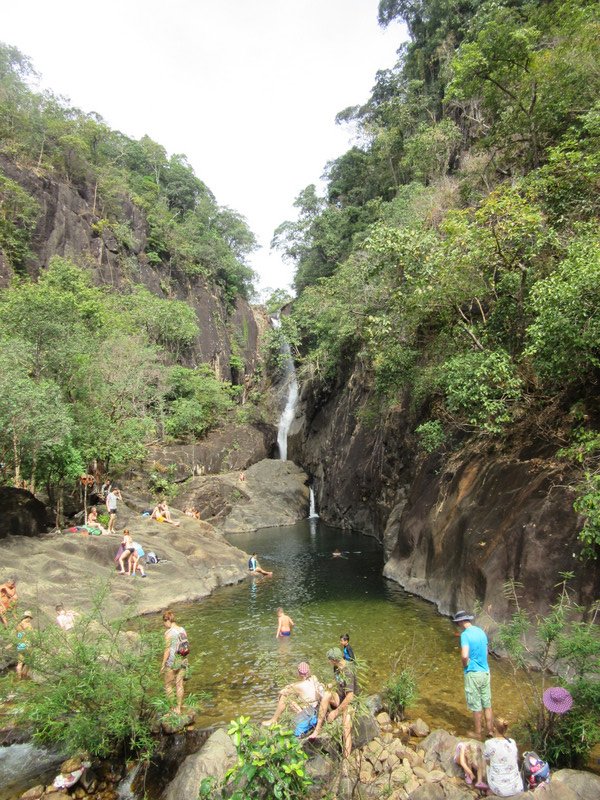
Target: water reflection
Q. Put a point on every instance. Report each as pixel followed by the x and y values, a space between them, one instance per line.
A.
pixel 237 657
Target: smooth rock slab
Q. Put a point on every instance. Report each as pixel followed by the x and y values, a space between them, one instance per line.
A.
pixel 212 760
pixel 585 785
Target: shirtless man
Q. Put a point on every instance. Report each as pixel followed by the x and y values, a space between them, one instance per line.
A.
pixel 285 624
pixel 8 598
pixel 306 693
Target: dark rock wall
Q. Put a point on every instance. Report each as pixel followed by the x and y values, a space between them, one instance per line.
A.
pixel 65 228
pixel 21 513
pixel 455 526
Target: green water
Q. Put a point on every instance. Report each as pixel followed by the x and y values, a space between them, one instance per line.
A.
pixel 236 657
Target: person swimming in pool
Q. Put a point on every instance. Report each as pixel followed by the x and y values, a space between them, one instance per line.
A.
pixel 285 624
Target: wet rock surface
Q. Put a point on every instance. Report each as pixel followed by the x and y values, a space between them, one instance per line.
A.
pixel 456 525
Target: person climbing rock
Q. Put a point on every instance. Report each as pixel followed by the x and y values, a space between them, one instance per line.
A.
pixel 337 700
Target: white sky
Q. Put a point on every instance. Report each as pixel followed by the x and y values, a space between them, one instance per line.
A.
pixel 247 89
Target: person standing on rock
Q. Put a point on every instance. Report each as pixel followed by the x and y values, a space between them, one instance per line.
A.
pixel 112 496
pixel 175 658
pixel 337 701
pixel 346 648
pixel 285 624
pixel 474 656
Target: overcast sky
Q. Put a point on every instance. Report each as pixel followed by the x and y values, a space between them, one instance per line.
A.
pixel 247 89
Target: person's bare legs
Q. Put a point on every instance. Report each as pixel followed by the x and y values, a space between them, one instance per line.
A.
pixel 477 718
pixel 347 732
pixel 179 689
pixel 278 711
pixel 122 562
pixel 489 720
pixel 329 700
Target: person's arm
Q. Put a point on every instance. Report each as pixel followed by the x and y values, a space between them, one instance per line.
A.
pixel 462 760
pixel 464 650
pixel 167 652
pixel 278 629
pixel 344 704
pixel 291 621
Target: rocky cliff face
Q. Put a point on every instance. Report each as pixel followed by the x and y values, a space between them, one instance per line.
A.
pixel 455 525
pixel 65 227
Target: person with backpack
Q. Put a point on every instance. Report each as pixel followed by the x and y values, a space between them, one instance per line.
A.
pixel 175 658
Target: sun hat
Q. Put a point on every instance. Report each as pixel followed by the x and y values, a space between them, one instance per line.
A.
pixel 335 654
pixel 303 668
pixel 462 616
pixel 557 700
pixel 27 614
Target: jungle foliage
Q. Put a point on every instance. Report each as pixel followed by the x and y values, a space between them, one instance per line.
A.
pixel 89 373
pixel 454 257
pixel 185 231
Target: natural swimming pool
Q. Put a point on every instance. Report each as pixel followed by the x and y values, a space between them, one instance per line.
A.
pixel 237 659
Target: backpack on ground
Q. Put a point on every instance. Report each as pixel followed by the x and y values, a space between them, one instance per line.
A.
pixel 151 558
pixel 183 645
pixel 535 770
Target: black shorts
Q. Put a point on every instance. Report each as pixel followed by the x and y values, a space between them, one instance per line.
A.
pixel 112 511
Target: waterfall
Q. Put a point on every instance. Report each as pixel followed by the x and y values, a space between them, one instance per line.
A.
pixel 287 416
pixel 312 512
pixel 125 788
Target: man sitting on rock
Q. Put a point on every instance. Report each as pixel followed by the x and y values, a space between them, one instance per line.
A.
pixel 300 696
pixel 337 700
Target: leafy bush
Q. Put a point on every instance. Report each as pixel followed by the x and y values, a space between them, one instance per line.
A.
pixel 270 765
pixel 480 388
pixel 196 401
pixel 431 435
pixel 562 641
pixel 97 687
pixel 400 692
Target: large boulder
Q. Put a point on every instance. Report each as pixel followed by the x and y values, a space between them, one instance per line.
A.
pixel 272 493
pixel 21 514
pixel 441 791
pixel 211 761
pixel 439 748
pixel 584 785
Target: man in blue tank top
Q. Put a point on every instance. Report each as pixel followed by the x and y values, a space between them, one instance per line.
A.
pixel 474 655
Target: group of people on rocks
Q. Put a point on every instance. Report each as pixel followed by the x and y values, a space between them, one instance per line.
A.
pixel 494 768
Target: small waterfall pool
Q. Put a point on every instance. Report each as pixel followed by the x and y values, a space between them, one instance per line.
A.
pixel 236 657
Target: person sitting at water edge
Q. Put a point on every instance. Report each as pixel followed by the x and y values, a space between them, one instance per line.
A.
pixel 502 755
pixel 285 624
pixel 8 598
pixel 305 694
pixel 162 513
pixel 92 520
pixel 337 553
pixel 337 701
pixel 469 756
pixel 255 567
pixel 64 619
pixel 474 656
pixel 175 659
pixel 347 650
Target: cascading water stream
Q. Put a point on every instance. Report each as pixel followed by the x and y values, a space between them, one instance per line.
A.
pixel 287 416
pixel 312 511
